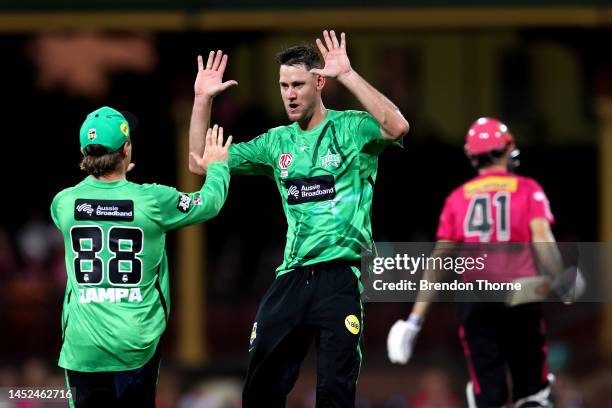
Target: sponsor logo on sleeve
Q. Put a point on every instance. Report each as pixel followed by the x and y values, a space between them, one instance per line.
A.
pixel 197 199
pixel 184 202
pixel 539 196
pixel 304 190
pixel 103 210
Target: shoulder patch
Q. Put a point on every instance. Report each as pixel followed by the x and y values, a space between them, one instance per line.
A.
pixel 184 203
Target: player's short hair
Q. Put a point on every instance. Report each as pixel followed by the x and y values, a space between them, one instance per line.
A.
pixel 303 54
pixel 489 158
pixel 98 162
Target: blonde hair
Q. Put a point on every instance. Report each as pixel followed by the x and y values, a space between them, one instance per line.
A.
pixel 97 163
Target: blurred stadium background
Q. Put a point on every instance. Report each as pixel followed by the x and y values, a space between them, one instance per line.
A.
pixel 542 66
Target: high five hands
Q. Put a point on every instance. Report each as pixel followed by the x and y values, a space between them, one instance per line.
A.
pixel 334 54
pixel 215 150
pixel 209 81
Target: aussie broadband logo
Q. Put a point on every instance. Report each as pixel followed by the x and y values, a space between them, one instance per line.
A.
pixel 85 207
pixel 294 192
pixel 285 160
pixel 308 189
pixel 103 210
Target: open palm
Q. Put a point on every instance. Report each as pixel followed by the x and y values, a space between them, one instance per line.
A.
pixel 334 55
pixel 216 150
pixel 209 81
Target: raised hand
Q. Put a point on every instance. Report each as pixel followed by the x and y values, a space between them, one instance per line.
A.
pixel 215 151
pixel 334 55
pixel 209 81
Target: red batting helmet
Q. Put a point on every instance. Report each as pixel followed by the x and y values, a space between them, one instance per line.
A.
pixel 485 135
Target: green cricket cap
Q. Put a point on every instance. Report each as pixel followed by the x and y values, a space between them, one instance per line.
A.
pixel 107 127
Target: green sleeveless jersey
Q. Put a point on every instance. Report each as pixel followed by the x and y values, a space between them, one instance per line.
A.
pixel 117 294
pixel 325 177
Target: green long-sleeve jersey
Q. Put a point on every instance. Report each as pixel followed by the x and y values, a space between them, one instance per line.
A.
pixel 117 294
pixel 325 177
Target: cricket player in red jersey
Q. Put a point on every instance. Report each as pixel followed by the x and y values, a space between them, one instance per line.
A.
pixel 495 206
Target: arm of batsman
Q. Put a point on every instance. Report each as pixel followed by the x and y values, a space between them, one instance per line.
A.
pixel 533 289
pixel 569 285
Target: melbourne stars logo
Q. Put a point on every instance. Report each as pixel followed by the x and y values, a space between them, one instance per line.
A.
pixel 330 159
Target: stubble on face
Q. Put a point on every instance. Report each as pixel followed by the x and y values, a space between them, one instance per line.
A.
pixel 298 89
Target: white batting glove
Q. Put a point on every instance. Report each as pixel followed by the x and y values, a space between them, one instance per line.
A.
pixel 401 338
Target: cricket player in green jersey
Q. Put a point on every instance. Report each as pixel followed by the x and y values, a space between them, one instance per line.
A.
pixel 324 165
pixel 117 293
